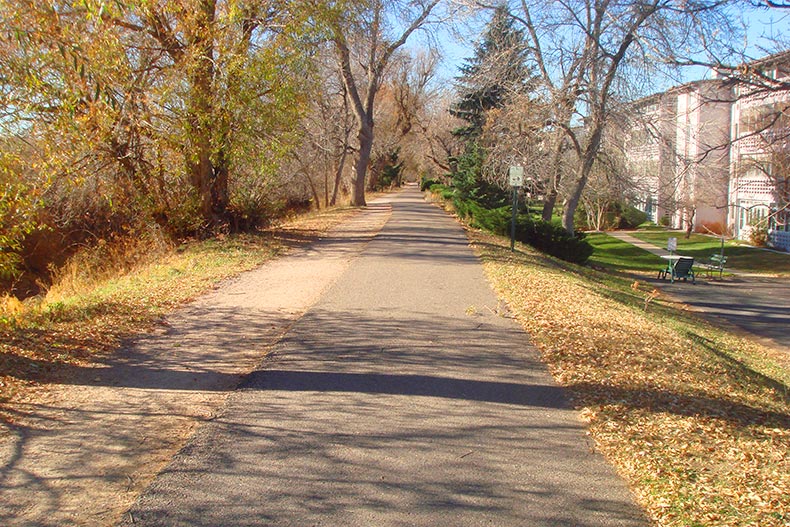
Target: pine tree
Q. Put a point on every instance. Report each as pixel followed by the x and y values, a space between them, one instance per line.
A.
pixel 496 72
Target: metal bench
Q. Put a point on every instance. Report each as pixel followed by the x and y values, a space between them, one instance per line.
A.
pixel 715 264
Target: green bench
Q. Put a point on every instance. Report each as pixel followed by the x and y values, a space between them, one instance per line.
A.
pixel 715 264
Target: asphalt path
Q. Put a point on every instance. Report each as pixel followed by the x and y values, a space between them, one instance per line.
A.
pixel 401 398
pixel 758 304
pixel 761 306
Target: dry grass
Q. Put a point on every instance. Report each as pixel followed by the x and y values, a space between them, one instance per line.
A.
pixel 695 418
pixel 108 294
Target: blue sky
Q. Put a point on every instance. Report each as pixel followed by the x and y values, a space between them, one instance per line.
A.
pixel 765 27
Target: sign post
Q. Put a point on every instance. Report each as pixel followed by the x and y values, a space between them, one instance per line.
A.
pixel 516 180
pixel 672 245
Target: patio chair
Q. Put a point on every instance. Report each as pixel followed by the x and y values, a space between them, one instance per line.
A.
pixel 683 269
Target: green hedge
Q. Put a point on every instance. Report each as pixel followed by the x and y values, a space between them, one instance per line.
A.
pixel 426 183
pixel 544 236
pixel 553 239
pixel 631 217
pixel 443 191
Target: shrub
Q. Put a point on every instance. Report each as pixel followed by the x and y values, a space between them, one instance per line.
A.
pixel 442 191
pixel 544 236
pixel 631 217
pixel 19 208
pixel 617 215
pixel 553 239
pixel 254 202
pixel 426 183
pixel 182 218
pixel 758 234
pixel 493 220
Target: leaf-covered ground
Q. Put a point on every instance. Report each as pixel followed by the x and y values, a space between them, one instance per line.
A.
pixel 695 418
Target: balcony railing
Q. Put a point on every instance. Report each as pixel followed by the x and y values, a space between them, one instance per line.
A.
pixel 773 138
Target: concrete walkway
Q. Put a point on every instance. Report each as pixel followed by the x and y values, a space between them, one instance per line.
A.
pixel 399 399
pixel 758 304
pixel 649 247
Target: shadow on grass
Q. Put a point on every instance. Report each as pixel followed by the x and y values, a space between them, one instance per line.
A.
pixel 618 255
pixel 657 400
pixel 741 370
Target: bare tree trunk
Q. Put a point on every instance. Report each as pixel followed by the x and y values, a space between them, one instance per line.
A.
pixel 326 185
pixel 365 137
pixel 314 191
pixel 362 95
pixel 548 204
pixel 556 177
pixel 202 173
pixel 573 201
pixel 220 196
pixel 338 176
pixel 690 213
pixel 600 215
pixel 201 80
pixel 588 159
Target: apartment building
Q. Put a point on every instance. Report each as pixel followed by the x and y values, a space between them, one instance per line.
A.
pixel 760 153
pixel 715 154
pixel 677 149
pixel 649 149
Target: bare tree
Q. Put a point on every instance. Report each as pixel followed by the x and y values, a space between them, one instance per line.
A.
pixel 439 145
pixel 401 112
pixel 366 34
pixel 514 135
pixel 325 134
pixel 584 50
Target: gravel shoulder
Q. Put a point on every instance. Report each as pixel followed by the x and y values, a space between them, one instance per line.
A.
pixel 81 453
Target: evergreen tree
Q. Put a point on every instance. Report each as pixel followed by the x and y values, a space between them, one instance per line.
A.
pixel 497 71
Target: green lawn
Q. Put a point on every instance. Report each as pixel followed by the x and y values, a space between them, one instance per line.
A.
pixel 622 256
pixel 741 257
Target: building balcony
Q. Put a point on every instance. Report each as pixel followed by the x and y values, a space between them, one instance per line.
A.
pixel 774 138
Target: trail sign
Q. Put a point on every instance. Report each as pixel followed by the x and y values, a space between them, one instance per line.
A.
pixel 516 180
pixel 516 176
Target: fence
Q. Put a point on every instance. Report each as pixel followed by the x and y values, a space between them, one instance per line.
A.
pixel 780 240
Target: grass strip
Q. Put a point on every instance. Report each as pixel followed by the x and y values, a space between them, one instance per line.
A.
pixel 695 418
pixel 76 326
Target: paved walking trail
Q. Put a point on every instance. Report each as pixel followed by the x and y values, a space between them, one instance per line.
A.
pixel 649 247
pixel 400 398
pixel 757 304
